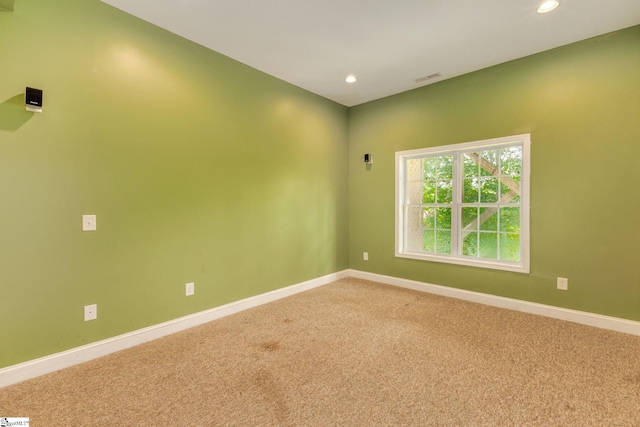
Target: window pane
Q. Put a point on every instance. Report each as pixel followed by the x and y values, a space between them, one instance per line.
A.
pixel 443 218
pixel 507 195
pixel 443 242
pixel 429 218
pixel 429 191
pixel 470 190
pixel 490 165
pixel 468 216
pixel 414 192
pixel 470 244
pixel 511 161
pixel 445 192
pixel 489 245
pixel 516 179
pixel 470 166
pixel 430 167
pixel 488 219
pixel 489 190
pixel 510 247
pixel 429 244
pixel 414 170
pixel 445 168
pixel 413 241
pixel 510 220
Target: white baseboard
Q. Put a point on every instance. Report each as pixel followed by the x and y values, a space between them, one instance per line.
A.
pixel 44 365
pixel 582 317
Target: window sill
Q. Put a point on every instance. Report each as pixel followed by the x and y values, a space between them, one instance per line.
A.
pixel 467 261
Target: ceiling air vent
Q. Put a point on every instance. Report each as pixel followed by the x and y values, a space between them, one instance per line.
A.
pixel 429 77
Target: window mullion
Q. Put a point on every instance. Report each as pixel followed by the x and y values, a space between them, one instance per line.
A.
pixel 455 205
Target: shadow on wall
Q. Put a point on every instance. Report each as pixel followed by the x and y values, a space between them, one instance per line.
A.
pixel 6 5
pixel 13 114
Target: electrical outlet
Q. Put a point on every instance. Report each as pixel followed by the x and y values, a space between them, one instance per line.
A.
pixel 365 256
pixel 563 283
pixel 190 289
pixel 88 223
pixel 90 312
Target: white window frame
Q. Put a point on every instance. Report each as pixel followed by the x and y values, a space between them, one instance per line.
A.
pixel 522 140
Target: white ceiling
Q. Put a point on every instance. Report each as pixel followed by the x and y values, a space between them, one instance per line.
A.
pixel 386 44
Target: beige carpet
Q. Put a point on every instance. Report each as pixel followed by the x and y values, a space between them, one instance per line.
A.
pixel 352 353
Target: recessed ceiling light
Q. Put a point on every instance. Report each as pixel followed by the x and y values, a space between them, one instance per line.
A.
pixel 351 79
pixel 548 6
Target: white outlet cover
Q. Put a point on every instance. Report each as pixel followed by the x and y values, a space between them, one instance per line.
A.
pixel 90 312
pixel 190 289
pixel 562 283
pixel 88 222
pixel 365 256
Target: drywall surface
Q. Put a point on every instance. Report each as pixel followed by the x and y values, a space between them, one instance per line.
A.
pixel 198 169
pixel 581 105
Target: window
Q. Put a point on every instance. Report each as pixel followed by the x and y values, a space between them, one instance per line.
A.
pixel 465 203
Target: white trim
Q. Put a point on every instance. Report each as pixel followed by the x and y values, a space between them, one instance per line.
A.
pixel 468 261
pixel 585 318
pixel 491 142
pixel 44 365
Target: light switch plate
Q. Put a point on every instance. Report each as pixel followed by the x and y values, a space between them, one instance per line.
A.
pixel 88 222
pixel 190 289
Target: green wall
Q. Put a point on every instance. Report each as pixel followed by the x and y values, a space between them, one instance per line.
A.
pixel 198 168
pixel 581 104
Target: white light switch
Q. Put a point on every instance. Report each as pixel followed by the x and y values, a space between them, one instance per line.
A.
pixel 88 222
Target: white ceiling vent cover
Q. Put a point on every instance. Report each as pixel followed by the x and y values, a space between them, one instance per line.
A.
pixel 429 77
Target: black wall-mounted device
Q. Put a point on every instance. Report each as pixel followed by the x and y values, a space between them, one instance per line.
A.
pixel 368 159
pixel 33 99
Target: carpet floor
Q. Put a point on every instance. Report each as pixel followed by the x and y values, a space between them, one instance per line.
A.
pixel 352 353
